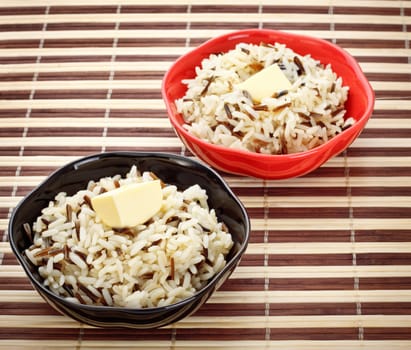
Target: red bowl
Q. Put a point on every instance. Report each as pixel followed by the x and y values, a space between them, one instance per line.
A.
pixel 359 105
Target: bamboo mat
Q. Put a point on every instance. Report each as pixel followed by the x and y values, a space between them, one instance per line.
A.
pixel 329 261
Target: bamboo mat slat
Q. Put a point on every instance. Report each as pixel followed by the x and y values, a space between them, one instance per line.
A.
pixel 201 17
pixel 329 260
pixel 162 52
pixel 297 3
pixel 255 297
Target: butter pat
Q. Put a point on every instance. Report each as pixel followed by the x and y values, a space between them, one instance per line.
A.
pixel 265 83
pixel 129 205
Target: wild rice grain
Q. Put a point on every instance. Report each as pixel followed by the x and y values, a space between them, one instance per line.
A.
pixel 299 64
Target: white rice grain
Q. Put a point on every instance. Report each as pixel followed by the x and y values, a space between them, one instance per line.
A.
pixel 77 260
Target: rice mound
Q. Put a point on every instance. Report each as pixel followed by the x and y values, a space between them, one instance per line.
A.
pixel 158 263
pixel 309 114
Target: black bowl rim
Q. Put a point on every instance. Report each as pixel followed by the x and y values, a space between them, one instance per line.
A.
pixel 95 158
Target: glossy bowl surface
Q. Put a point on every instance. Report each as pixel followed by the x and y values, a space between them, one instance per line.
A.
pixel 180 171
pixel 360 105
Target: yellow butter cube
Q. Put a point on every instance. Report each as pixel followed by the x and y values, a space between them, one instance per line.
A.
pixel 129 205
pixel 265 83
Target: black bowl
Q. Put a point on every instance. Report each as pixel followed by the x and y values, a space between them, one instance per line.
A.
pixel 180 171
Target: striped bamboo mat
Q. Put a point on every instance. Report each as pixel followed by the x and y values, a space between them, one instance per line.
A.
pixel 329 261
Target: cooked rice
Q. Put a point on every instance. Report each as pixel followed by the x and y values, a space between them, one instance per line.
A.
pixel 309 114
pixel 158 263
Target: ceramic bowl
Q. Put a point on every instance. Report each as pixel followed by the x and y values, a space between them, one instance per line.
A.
pixel 359 105
pixel 180 171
